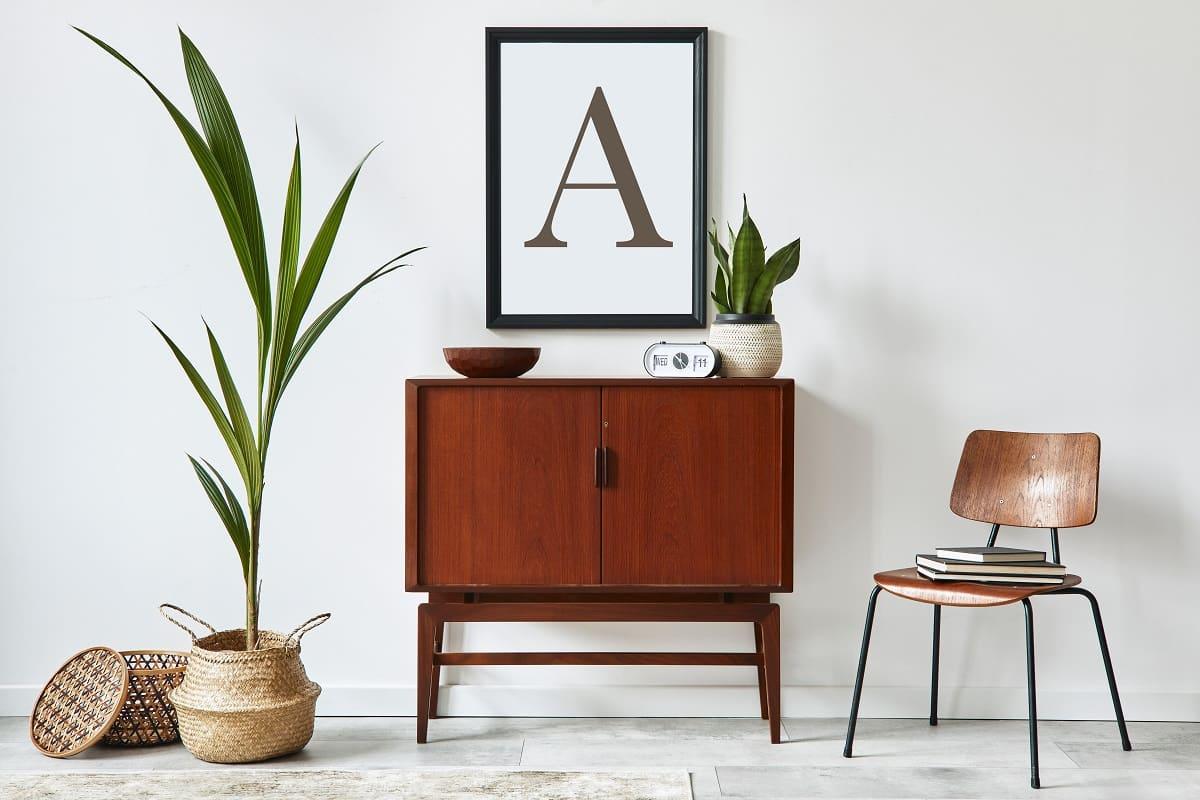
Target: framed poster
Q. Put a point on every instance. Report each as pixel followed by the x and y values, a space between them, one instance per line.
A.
pixel 596 177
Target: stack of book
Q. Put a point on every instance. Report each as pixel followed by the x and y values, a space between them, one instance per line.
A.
pixel 990 565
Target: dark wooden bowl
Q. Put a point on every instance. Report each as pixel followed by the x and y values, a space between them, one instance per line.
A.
pixel 491 362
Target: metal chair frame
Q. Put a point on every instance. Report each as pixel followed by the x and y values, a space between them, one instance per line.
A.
pixel 1031 680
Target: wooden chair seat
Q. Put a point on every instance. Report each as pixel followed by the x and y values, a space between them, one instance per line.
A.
pixel 911 585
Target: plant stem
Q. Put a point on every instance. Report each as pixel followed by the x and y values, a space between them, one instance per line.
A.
pixel 252 582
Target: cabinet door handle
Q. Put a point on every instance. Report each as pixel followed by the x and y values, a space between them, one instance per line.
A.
pixel 599 467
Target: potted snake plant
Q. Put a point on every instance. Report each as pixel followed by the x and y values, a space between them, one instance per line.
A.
pixel 744 330
pixel 245 695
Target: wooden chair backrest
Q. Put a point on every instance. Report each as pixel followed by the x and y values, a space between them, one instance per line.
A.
pixel 1030 480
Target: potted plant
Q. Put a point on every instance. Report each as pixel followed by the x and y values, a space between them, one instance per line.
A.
pixel 744 331
pixel 245 696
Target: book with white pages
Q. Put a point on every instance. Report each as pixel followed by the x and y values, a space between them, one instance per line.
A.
pixel 1042 580
pixel 990 555
pixel 974 567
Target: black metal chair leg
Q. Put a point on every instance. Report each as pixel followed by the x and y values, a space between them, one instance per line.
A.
pixel 1035 779
pixel 862 668
pixel 933 680
pixel 1108 667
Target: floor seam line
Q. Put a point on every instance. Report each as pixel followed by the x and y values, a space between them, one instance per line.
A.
pixel 1068 755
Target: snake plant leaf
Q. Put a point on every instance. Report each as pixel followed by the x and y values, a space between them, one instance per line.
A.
pixel 209 167
pixel 314 262
pixel 760 295
pixel 721 307
pixel 721 293
pixel 793 261
pixel 228 509
pixel 722 257
pixel 213 405
pixel 289 258
pixel 237 413
pixel 225 142
pixel 748 257
pixel 318 326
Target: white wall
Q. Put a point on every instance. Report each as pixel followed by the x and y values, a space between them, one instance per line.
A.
pixel 998 202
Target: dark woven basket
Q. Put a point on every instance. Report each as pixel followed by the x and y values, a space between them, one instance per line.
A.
pixel 148 718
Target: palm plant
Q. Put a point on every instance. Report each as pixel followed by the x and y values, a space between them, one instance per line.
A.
pixel 282 345
pixel 746 279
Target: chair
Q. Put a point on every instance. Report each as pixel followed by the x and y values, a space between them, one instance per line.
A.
pixel 1028 480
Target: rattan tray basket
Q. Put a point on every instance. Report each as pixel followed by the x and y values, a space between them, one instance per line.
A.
pixel 148 717
pixel 101 695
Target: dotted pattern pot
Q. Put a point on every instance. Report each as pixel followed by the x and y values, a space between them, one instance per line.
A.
pixel 749 349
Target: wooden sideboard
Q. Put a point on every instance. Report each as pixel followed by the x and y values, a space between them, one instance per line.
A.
pixel 598 499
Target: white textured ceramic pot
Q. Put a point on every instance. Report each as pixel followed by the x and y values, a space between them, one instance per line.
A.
pixel 750 345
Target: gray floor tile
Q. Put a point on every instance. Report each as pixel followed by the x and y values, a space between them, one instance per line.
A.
pixel 14 729
pixel 1145 755
pixel 705 785
pixel 915 783
pixel 894 758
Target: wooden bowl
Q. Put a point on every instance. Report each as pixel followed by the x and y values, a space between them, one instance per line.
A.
pixel 491 362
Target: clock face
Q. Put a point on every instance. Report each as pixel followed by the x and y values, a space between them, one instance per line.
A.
pixel 681 360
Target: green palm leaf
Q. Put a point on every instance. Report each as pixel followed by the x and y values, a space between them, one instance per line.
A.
pixel 209 167
pixel 314 262
pixel 220 154
pixel 318 326
pixel 228 509
pixel 289 258
pixel 214 408
pixel 237 415
pixel 225 142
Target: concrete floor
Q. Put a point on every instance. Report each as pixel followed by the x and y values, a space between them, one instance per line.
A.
pixel 733 757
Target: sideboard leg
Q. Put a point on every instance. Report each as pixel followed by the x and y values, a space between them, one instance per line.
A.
pixel 762 674
pixel 439 632
pixel 424 669
pixel 769 630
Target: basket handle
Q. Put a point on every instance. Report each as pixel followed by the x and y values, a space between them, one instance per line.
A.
pixel 162 609
pixel 298 634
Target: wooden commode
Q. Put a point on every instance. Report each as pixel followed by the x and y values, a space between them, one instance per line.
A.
pixel 598 499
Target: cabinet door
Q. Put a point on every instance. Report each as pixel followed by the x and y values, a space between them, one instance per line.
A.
pixel 693 490
pixel 507 486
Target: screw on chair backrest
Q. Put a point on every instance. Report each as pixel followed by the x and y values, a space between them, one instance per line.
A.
pixel 1028 480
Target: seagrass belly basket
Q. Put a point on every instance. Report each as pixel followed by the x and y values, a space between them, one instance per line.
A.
pixel 237 705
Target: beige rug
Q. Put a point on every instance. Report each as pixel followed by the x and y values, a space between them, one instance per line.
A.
pixel 242 784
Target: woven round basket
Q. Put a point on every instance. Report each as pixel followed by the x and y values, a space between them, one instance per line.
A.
pixel 748 349
pixel 148 718
pixel 237 705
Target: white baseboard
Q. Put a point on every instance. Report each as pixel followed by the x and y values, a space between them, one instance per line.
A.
pixel 721 701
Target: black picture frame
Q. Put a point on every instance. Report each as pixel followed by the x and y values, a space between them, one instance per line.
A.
pixel 698 37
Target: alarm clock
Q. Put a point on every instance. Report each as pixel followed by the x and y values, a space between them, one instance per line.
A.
pixel 681 360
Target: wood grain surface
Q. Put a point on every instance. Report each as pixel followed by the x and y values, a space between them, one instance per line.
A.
pixel 693 488
pixel 910 584
pixel 506 487
pixel 1031 480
